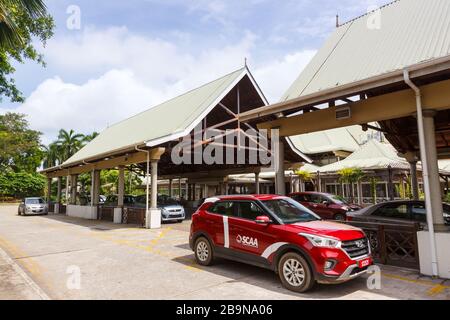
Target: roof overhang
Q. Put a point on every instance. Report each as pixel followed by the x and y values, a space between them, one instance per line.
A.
pixel 416 71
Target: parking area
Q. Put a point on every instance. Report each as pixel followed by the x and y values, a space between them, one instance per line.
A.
pixel 69 258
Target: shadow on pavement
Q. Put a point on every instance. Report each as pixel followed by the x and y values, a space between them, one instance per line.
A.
pixel 268 280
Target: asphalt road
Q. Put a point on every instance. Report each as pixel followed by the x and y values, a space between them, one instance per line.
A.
pixel 69 258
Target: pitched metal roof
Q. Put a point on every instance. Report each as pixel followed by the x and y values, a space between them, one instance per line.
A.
pixel 371 156
pixel 325 141
pixel 165 122
pixel 410 32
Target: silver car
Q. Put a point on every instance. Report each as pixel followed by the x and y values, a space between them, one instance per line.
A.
pixel 33 206
pixel 171 210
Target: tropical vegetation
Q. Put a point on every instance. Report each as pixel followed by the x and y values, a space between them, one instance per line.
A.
pixel 350 176
pixel 22 24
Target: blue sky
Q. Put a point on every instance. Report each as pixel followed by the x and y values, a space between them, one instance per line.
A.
pixel 130 55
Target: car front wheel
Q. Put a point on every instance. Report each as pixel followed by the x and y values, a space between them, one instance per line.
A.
pixel 295 273
pixel 203 252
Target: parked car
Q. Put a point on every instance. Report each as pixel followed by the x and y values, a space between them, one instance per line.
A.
pixel 398 212
pixel 279 234
pixel 33 206
pixel 171 209
pixel 128 200
pixel 326 205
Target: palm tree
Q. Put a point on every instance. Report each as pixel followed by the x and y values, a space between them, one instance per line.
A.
pixel 351 176
pixel 304 176
pixel 90 137
pixel 69 142
pixel 10 35
pixel 52 155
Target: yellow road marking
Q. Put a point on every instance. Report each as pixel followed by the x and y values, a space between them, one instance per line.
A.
pixel 28 263
pixel 434 290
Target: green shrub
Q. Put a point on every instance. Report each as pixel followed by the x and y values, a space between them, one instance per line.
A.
pixel 21 184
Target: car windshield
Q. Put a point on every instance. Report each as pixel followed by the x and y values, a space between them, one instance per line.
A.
pixel 34 201
pixel 167 201
pixel 290 211
pixel 337 199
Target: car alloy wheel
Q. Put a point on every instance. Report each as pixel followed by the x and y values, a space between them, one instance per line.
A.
pixel 339 217
pixel 293 272
pixel 203 252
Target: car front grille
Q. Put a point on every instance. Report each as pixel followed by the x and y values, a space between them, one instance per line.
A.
pixel 356 248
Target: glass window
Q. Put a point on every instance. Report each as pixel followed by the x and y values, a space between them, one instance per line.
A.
pixel 381 190
pixel 225 208
pixel 418 212
pixel 366 190
pixel 34 201
pixel 315 198
pixel 249 210
pixel 290 211
pixel 397 211
pixel 300 198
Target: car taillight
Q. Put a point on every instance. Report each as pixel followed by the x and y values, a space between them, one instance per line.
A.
pixel 349 218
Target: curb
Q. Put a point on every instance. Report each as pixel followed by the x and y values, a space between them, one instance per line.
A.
pixel 24 276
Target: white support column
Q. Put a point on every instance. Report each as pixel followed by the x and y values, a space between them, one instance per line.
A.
pixel 433 171
pixel 67 189
pixel 73 188
pixel 319 182
pixel 280 187
pixel 360 197
pixel 49 190
pixel 153 220
pixel 257 185
pixel 121 186
pixel 58 196
pixel 95 193
pixel 120 194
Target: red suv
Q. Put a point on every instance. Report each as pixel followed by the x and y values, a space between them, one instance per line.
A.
pixel 326 205
pixel 278 233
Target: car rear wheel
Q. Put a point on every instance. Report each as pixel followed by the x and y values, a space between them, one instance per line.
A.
pixel 295 273
pixel 203 252
pixel 339 217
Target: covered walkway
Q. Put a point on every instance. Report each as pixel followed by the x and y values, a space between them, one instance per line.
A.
pixel 169 141
pixel 397 74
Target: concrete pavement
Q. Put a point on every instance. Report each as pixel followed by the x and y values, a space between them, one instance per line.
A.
pixel 70 258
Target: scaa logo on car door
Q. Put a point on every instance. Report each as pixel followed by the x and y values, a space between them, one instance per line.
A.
pixel 247 241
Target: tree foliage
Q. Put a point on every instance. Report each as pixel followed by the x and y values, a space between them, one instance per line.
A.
pixel 21 184
pixel 21 22
pixel 20 148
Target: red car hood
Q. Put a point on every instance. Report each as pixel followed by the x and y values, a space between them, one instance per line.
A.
pixel 340 231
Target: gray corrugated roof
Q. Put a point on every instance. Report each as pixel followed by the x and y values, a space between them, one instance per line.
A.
pixel 411 32
pixel 167 121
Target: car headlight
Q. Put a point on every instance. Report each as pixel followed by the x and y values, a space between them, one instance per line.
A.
pixel 345 208
pixel 28 207
pixel 323 242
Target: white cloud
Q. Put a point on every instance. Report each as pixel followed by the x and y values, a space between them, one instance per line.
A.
pixel 276 77
pixel 130 73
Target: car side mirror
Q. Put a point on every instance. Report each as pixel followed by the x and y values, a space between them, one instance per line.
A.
pixel 326 202
pixel 263 220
